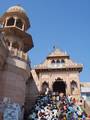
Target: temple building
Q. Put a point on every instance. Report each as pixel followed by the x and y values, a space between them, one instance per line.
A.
pixel 58 72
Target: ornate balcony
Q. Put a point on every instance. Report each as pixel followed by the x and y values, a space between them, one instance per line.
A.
pixel 18 54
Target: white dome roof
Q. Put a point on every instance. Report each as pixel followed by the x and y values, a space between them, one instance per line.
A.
pixel 16 8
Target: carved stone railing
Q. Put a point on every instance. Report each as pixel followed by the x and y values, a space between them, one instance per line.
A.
pixel 19 54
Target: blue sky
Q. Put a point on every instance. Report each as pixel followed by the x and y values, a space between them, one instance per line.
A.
pixel 63 23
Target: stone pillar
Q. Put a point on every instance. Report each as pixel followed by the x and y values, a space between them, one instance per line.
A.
pixel 68 88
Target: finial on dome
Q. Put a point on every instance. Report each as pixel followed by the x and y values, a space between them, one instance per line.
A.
pixel 54 47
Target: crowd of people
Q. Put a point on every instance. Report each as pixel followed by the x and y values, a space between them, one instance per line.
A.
pixel 56 106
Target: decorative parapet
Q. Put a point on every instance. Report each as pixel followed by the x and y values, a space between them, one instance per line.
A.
pixel 60 67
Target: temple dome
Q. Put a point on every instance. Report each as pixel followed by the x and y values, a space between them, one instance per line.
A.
pixel 16 8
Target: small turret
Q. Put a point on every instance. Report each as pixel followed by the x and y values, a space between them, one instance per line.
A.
pixel 15 17
pixel 15 40
pixel 14 25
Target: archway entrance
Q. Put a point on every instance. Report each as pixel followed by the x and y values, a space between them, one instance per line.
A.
pixel 44 87
pixel 59 86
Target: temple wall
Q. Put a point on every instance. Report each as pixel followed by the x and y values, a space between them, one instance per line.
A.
pixel 67 77
pixel 13 84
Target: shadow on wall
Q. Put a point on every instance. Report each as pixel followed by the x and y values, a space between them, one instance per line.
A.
pixel 31 93
pixel 13 82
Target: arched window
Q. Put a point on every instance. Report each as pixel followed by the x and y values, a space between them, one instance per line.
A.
pixel 44 86
pixel 62 61
pixel 10 21
pixel 73 86
pixel 15 45
pixel 19 23
pixel 58 61
pixel 53 61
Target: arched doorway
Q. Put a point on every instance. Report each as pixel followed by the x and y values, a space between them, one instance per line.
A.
pixel 44 87
pixel 73 86
pixel 59 86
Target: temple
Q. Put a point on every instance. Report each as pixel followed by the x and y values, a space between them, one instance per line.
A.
pixel 59 73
